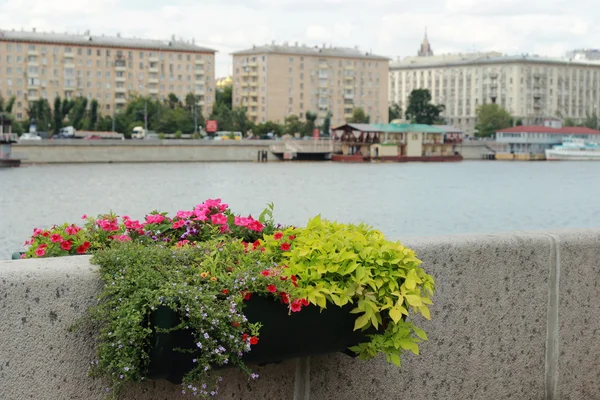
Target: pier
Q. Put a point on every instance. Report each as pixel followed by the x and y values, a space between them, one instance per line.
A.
pixel 7 139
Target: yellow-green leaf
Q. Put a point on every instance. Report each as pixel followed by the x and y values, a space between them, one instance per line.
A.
pixel 425 312
pixel 395 314
pixel 361 321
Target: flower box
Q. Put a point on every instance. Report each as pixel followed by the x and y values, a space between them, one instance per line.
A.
pixel 282 336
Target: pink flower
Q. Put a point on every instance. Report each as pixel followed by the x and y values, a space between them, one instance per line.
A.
pixel 56 238
pixel 178 224
pixel 255 226
pixel 271 288
pixel 265 272
pixel 72 230
pixel 224 229
pixel 296 306
pixel 108 226
pixel 219 219
pixel 241 221
pixel 66 245
pixel 184 214
pixel 182 243
pixel 37 232
pixel 28 242
pixel 122 238
pixel 133 225
pixel 154 219
pixel 40 251
pixel 84 216
pixel 22 256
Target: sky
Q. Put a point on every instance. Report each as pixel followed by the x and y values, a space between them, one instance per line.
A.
pixel 392 28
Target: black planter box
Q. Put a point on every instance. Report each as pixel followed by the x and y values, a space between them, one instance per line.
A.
pixel 282 336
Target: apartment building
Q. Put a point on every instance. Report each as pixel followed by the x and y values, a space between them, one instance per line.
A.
pixel 531 88
pixel 274 81
pixel 37 65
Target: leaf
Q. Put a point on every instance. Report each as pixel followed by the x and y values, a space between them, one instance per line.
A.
pixel 420 333
pixel 395 359
pixel 425 312
pixel 395 314
pixel 413 300
pixel 361 321
pixel 408 345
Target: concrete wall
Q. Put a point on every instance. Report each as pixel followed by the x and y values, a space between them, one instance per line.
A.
pixel 516 316
pixel 104 151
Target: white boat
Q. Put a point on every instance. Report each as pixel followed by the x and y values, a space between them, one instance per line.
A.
pixel 574 150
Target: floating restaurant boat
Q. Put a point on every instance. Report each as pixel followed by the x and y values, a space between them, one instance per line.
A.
pixel 574 150
pixel 394 143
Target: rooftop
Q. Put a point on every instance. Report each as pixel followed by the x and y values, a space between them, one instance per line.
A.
pixel 86 39
pixel 324 51
pixel 569 130
pixel 457 60
pixel 392 128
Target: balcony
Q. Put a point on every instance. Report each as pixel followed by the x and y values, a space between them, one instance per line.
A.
pixel 253 113
pixel 69 56
pixel 120 100
pixel 323 75
pixel 349 86
pixel 254 84
pixel 199 61
pixel 120 79
pixel 323 84
pixel 198 92
pixel 153 59
pixel 120 67
pixel 153 69
pixel 252 64
pixel 348 95
pixel 32 53
pixel 253 104
pixel 152 80
pixel 121 90
pixel 351 66
pixel 153 90
pixel 253 73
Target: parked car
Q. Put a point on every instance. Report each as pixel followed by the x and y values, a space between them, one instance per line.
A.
pixel 30 136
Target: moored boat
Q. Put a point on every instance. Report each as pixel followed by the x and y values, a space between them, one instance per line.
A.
pixel 573 149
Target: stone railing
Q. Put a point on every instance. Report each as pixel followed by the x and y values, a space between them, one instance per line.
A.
pixel 516 316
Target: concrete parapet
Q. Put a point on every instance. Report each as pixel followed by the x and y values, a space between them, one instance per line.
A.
pixel 515 316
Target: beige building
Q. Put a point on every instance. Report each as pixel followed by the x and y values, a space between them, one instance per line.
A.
pixel 274 81
pixel 530 88
pixel 37 65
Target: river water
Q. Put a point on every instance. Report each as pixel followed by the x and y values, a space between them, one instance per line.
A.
pixel 413 199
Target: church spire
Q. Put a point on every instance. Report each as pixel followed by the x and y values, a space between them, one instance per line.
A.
pixel 425 50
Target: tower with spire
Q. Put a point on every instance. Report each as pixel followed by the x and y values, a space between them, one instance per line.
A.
pixel 425 50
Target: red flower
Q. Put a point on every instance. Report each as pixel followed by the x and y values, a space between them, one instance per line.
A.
pixel 81 249
pixel 304 302
pixel 178 224
pixel 262 249
pixel 253 340
pixel 247 296
pixel 296 306
pixel 294 279
pixel 277 235
pixel 271 288
pixel 43 246
pixel 236 324
pixel 284 297
pixel 285 246
pixel 283 278
pixel 265 272
pixel 292 237
pixel 86 245
pixel 244 337
pixel 66 245
pixel 46 234
pixel 40 251
pixel 255 245
pixel 225 291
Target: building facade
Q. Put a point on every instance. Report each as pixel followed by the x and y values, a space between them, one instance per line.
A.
pixel 530 88
pixel 275 81
pixel 36 65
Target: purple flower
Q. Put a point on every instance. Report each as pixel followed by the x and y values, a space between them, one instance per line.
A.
pixel 194 360
pixel 120 376
pixel 206 336
pixel 199 345
pixel 126 369
pixel 254 376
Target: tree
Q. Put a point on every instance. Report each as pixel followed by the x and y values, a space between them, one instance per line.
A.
pixel 293 125
pixel 268 127
pixel 9 105
pixel 93 119
pixel 359 117
pixel 40 110
pixel 569 122
pixel 490 119
pixel 222 114
pixel 326 124
pixel 1 104
pixel 57 116
pixel 172 100
pixel 239 120
pixel 591 121
pixel 224 97
pixel 311 117
pixel 395 111
pixel 420 110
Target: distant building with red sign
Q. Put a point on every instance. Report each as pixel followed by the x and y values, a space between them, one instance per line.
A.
pixel 211 125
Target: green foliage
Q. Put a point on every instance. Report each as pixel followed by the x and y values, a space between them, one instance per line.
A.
pixel 161 136
pixel 310 124
pixel 93 117
pixel 57 116
pixel 178 135
pixel 196 136
pixel 40 110
pixel 239 120
pixel 420 110
pixel 198 284
pixel 293 125
pixel 343 263
pixel 326 124
pixel 224 97
pixel 359 117
pixel 269 126
pixel 491 118
pixel 10 104
pixel 395 112
pixel 569 122
pixel 591 121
